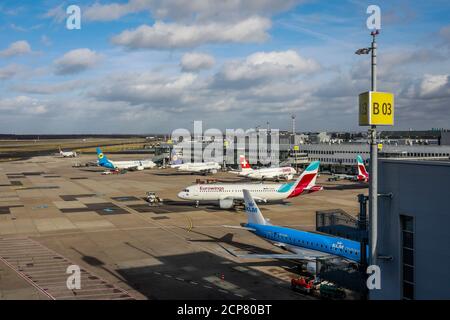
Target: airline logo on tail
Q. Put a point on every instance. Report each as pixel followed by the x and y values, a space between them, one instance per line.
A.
pixel 253 213
pixel 306 181
pixel 363 175
pixel 103 161
pixel 245 166
pixel 175 159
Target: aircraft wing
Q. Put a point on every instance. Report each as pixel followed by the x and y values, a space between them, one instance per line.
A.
pixel 207 170
pixel 241 198
pixel 300 254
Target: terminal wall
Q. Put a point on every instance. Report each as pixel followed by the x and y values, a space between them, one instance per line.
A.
pixel 421 189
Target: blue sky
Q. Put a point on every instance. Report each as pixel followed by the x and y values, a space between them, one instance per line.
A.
pixel 140 66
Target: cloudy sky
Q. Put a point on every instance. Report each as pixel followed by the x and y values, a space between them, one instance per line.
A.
pixel 147 66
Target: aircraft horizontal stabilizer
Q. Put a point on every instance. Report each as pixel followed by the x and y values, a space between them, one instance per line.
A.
pixel 275 256
pixel 239 227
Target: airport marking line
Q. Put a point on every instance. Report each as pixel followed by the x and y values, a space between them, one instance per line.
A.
pixel 190 225
pixel 46 271
pixel 196 283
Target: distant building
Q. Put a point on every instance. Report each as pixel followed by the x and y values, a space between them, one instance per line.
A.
pixel 321 137
pixel 334 151
pixel 445 138
pixel 301 139
pixel 413 230
pixel 342 157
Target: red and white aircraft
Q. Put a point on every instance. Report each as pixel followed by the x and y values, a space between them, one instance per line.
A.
pixel 264 173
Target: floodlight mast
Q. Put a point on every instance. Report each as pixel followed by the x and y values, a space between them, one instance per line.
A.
pixel 373 187
pixel 372 134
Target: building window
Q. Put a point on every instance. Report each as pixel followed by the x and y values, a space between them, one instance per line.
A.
pixel 407 245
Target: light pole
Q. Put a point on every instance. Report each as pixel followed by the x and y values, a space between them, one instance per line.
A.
pixel 373 177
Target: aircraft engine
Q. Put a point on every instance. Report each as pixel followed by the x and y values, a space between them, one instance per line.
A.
pixel 226 203
pixel 214 171
pixel 140 168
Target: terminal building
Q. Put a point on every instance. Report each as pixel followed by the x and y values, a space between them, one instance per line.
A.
pixel 342 157
pixel 413 229
pixel 336 154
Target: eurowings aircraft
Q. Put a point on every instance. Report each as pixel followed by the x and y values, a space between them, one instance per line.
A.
pixel 228 194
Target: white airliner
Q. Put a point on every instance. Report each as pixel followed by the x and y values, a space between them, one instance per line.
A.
pixel 229 194
pixel 264 173
pixel 126 165
pixel 194 167
pixel 200 167
pixel 67 154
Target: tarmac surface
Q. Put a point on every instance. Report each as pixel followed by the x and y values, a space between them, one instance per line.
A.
pixel 53 215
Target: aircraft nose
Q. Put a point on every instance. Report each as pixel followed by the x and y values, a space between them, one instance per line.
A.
pixel 182 195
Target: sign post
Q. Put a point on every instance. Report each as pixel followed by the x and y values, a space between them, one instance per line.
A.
pixel 296 150
pixel 375 108
pixel 373 177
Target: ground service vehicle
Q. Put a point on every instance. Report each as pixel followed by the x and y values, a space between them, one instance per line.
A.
pixel 331 291
pixel 302 284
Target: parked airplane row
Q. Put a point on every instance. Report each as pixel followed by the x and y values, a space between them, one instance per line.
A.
pixel 307 246
pixel 274 173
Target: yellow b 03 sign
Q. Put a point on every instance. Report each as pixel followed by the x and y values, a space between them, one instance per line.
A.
pixel 376 108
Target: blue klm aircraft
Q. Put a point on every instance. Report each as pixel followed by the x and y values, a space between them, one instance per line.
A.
pixel 303 245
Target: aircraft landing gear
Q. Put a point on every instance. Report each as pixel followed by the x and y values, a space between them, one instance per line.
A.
pixel 197 203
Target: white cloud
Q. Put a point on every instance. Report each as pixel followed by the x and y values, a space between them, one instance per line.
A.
pixel 184 10
pixel 22 105
pixel 445 33
pixel 109 12
pixel 58 14
pixel 156 91
pixel 16 48
pixel 51 88
pixel 267 66
pixel 432 84
pixel 173 35
pixel 10 71
pixel 195 61
pixel 76 61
